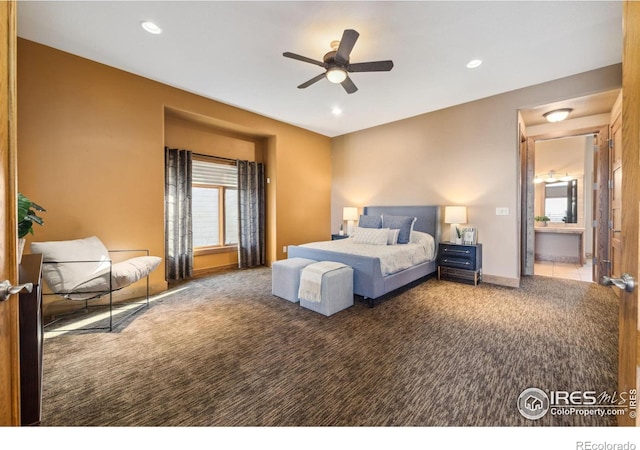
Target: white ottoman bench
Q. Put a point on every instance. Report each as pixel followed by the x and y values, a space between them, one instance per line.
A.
pixel 285 277
pixel 336 292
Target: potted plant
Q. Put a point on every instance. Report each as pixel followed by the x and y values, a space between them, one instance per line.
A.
pixel 543 219
pixel 27 216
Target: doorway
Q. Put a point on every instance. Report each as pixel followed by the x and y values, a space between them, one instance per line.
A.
pixel 563 207
pixel 586 130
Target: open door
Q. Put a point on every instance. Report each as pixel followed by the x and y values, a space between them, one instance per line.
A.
pixel 628 357
pixel 627 185
pixel 9 338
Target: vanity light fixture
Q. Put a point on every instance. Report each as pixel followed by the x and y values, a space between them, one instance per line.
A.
pixel 150 27
pixel 557 115
pixel 551 177
pixel 566 177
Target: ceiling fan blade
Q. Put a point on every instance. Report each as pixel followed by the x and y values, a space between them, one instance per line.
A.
pixel 373 66
pixel 304 59
pixel 311 81
pixel 348 86
pixel 349 38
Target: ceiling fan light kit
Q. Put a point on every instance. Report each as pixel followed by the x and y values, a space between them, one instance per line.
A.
pixel 336 75
pixel 337 65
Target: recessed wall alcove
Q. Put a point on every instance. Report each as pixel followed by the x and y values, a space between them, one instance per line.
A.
pixel 213 137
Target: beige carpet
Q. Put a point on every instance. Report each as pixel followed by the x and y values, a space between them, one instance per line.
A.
pixel 222 351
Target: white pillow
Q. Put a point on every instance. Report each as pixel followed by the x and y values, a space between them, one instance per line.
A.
pixel 371 236
pixel 392 238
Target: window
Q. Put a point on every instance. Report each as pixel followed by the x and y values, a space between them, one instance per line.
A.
pixel 214 199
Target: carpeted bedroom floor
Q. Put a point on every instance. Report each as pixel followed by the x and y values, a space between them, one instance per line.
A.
pixel 222 351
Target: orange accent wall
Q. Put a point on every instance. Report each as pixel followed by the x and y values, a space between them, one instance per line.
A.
pixel 91 151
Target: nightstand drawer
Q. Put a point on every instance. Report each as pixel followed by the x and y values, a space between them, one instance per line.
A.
pixel 462 263
pixel 467 257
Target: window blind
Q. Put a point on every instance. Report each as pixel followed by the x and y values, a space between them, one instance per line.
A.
pixel 214 174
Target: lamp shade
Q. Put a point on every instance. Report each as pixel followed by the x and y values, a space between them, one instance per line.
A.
pixel 455 214
pixel 350 213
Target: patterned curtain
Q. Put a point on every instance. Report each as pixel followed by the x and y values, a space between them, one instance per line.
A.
pixel 177 200
pixel 251 220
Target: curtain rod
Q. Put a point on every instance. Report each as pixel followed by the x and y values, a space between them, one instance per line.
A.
pixel 215 157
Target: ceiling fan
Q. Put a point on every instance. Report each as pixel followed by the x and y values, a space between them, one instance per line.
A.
pixel 337 63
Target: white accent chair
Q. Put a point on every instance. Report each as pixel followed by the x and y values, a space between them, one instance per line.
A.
pixel 82 270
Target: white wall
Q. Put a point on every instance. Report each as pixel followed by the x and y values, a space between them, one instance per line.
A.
pixel 466 155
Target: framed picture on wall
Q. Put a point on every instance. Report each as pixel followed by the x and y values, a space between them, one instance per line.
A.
pixel 470 236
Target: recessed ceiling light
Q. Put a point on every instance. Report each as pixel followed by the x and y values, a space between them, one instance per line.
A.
pixel 474 63
pixel 336 111
pixel 151 27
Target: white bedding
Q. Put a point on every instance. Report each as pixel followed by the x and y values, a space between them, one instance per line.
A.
pixel 393 258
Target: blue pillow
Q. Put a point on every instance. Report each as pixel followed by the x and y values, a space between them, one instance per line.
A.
pixel 370 222
pixel 402 223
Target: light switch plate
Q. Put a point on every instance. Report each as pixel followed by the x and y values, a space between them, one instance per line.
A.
pixel 502 211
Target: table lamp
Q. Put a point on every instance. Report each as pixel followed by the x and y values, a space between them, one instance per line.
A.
pixel 455 215
pixel 350 214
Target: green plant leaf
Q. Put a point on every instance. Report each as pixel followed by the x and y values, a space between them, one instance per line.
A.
pixel 27 215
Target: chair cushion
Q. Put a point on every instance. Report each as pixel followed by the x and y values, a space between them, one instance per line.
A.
pixel 122 275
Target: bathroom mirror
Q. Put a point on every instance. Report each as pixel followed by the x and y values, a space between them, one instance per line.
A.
pixel 561 201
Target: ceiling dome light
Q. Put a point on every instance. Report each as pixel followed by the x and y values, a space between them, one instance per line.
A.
pixel 336 111
pixel 474 63
pixel 336 75
pixel 151 27
pixel 557 115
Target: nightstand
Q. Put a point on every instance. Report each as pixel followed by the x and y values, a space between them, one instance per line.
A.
pixel 460 262
pixel 335 237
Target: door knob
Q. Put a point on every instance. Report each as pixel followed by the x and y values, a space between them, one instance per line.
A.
pixel 7 290
pixel 625 282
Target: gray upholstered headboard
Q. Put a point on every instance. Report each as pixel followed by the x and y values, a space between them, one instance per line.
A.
pixel 427 217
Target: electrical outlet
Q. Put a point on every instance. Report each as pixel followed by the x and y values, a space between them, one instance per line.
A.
pixel 284 249
pixel 502 211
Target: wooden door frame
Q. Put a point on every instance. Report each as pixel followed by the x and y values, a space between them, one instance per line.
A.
pixel 601 234
pixel 9 319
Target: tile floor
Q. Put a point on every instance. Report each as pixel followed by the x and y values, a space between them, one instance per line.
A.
pixel 563 270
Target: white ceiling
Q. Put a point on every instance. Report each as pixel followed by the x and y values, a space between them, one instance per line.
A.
pixel 232 51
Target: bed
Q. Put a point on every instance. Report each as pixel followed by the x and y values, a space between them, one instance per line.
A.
pixel 372 276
